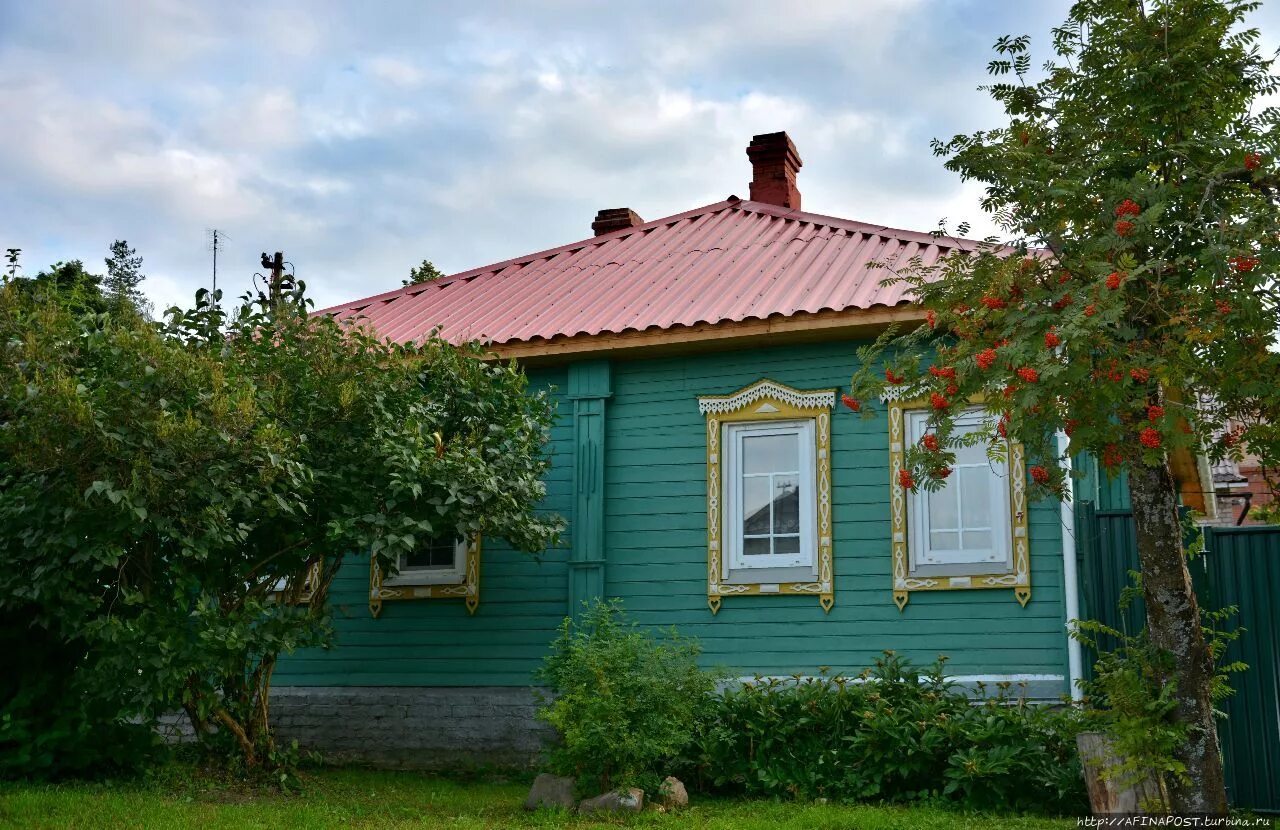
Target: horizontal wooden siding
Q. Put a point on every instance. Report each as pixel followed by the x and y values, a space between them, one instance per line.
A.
pixel 433 642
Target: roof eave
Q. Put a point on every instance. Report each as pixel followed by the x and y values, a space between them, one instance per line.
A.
pixel 848 324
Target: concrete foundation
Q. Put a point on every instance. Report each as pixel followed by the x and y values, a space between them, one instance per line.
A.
pixel 410 727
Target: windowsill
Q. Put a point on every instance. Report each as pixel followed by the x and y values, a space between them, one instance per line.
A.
pixel 756 576
pixel 962 569
pixel 450 577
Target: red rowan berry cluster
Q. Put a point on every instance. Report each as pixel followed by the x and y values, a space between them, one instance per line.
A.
pixel 1128 208
pixel 1243 264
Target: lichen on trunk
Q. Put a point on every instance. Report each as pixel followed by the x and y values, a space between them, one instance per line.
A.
pixel 1174 625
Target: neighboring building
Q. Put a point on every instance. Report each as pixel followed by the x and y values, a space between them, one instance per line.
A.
pixel 710 482
pixel 1243 488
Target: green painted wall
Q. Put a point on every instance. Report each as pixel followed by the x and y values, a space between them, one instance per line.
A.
pixel 654 512
pixel 1105 491
pixel 656 538
pixel 435 642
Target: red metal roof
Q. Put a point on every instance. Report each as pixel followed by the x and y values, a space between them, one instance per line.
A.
pixel 731 261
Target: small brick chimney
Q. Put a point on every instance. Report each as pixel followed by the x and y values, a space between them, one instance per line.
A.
pixel 615 219
pixel 774 163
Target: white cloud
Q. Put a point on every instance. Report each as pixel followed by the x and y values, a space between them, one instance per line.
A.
pixel 360 140
pixel 395 71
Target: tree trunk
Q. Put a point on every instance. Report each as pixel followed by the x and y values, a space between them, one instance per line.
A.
pixel 261 730
pixel 246 745
pixel 1174 625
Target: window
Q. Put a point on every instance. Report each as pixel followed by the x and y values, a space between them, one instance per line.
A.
pixel 289 591
pixel 971 533
pixel 442 568
pixel 967 521
pixel 440 561
pixel 770 494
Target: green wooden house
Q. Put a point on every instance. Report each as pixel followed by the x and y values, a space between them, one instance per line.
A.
pixel 710 480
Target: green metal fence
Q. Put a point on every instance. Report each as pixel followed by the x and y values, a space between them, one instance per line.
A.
pixel 1108 550
pixel 1240 567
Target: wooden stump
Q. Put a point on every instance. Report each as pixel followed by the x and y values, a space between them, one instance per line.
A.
pixel 1109 794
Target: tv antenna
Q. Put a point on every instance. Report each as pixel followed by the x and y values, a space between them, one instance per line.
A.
pixel 214 241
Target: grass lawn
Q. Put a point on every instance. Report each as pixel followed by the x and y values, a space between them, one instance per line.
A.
pixel 364 798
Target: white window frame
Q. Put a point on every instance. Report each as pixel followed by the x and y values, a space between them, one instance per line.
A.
pixel 454 575
pixel 734 433
pixel 1001 552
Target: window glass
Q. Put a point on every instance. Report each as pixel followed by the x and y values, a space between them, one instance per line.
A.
pixel 771 493
pixel 771 472
pixel 770 453
pixel 967 520
pixel 436 554
pixel 786 504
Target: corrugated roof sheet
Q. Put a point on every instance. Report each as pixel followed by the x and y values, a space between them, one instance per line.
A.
pixel 731 261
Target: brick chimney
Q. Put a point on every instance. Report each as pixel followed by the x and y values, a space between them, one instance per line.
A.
pixel 774 163
pixel 615 219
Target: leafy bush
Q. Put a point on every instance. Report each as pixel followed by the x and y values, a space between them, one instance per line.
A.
pixel 51 726
pixel 626 701
pixel 160 484
pixel 894 733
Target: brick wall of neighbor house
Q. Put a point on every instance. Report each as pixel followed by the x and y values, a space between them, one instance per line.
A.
pixel 655 545
pixel 1257 486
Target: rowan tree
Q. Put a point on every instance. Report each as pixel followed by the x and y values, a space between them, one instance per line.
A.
pixel 1132 304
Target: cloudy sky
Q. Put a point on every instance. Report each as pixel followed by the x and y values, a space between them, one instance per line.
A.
pixel 362 138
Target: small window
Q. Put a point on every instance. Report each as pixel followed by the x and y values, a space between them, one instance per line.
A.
pixel 770 494
pixel 967 522
pixel 439 561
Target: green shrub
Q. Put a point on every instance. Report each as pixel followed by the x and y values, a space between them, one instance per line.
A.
pixel 626 701
pixel 895 734
pixel 52 727
pixel 1132 697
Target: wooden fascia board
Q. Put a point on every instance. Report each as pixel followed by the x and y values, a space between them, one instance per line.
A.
pixel 797 328
pixel 1194 479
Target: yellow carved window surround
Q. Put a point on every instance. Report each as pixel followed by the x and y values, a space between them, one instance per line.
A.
pixel 300 591
pixel 910 572
pixel 465 585
pixel 763 438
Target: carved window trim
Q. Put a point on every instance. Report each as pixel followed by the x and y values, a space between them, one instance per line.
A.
pixel 300 594
pixel 387 590
pixel 1017 576
pixel 762 402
